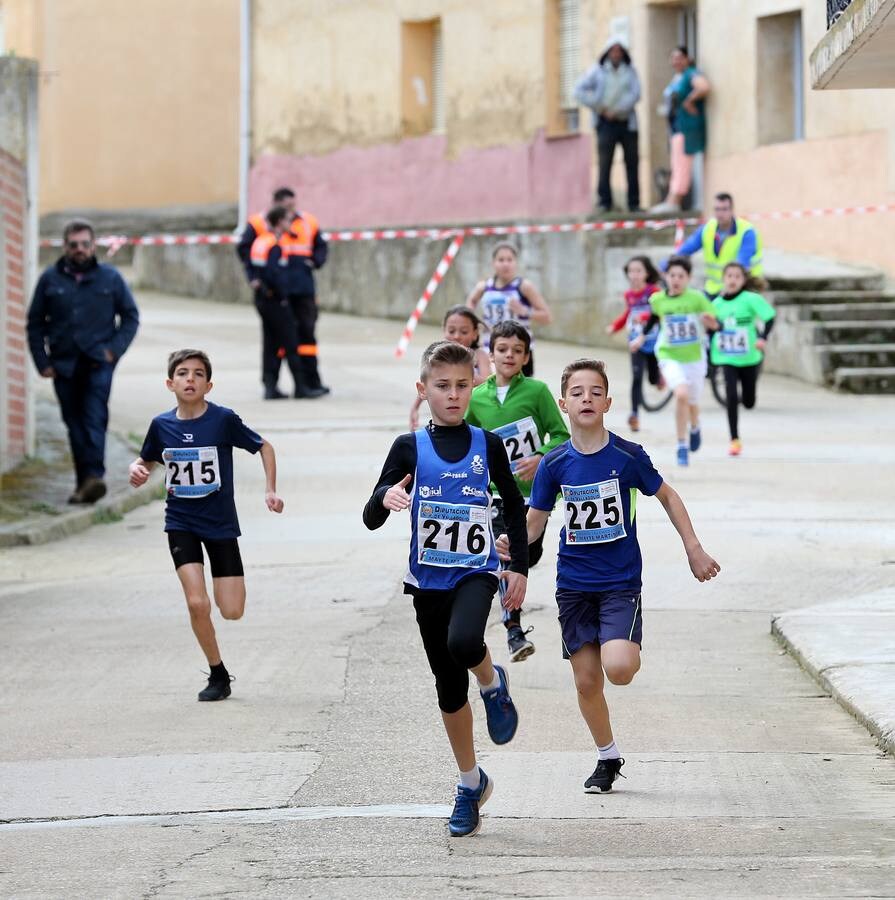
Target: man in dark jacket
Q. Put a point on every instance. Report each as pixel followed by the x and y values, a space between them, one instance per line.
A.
pixel 81 320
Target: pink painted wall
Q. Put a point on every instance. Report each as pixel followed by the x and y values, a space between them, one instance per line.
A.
pixel 413 182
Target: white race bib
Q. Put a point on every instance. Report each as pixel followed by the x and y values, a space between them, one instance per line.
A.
pixel 681 330
pixel 520 438
pixel 191 472
pixel 495 308
pixel 452 534
pixel 734 341
pixel 593 512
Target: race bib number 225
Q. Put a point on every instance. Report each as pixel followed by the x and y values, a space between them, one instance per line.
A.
pixel 593 512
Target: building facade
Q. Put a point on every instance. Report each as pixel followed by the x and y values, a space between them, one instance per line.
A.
pixel 138 101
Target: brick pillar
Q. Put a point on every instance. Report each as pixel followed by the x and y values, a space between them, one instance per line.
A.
pixel 18 254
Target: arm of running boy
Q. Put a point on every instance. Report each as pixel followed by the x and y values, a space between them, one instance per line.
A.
pixel 516 576
pixel 702 565
pixel 139 470
pixel 535 523
pixel 269 462
pixel 619 323
pixel 399 464
pixel 650 323
pixel 540 311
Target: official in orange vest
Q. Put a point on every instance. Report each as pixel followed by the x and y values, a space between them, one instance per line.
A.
pixel 270 272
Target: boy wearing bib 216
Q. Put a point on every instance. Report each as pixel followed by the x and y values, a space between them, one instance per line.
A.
pixel 194 442
pixel 598 568
pixel 442 474
pixel 521 411
pixel 684 315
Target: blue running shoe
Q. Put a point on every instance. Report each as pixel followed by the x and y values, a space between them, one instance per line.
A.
pixel 695 439
pixel 464 820
pixel 500 710
pixel 683 456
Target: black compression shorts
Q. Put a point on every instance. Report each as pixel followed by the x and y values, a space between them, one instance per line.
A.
pixel 223 555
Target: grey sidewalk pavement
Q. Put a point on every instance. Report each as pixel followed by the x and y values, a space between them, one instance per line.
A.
pixel 327 773
pixel 848 646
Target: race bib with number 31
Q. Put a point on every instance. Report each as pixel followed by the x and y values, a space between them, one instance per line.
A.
pixel 452 534
pixel 593 512
pixel 191 472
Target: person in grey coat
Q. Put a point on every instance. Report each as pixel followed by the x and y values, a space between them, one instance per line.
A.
pixel 611 89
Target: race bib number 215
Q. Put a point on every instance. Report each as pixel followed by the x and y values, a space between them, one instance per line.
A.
pixel 191 472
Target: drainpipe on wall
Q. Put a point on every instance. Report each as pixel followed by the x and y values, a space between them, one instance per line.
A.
pixel 32 241
pixel 245 109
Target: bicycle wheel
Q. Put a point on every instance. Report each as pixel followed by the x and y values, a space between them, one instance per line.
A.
pixel 715 376
pixel 654 398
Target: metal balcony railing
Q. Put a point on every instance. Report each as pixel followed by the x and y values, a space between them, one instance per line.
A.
pixel 835 8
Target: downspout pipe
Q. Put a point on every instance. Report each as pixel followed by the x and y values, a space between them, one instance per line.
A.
pixel 245 109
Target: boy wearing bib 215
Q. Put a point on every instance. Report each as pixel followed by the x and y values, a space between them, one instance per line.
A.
pixel 442 474
pixel 521 411
pixel 598 568
pixel 194 442
pixel 684 314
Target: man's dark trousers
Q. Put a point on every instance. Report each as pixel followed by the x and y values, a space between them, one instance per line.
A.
pixel 304 308
pixel 609 134
pixel 279 339
pixel 84 401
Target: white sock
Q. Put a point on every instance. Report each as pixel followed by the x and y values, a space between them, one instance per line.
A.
pixel 484 688
pixel 694 427
pixel 682 444
pixel 471 779
pixel 610 751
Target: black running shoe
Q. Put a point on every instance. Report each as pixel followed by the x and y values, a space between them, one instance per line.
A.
pixel 519 645
pixel 216 689
pixel 606 772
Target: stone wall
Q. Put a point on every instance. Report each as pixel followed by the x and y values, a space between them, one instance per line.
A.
pixel 18 232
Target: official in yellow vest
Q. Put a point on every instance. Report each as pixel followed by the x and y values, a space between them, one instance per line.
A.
pixel 723 239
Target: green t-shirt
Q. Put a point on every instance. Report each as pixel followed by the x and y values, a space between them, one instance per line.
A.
pixel 523 421
pixel 682 336
pixel 734 345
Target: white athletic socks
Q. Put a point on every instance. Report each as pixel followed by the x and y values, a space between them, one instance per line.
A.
pixel 484 688
pixel 471 779
pixel 610 751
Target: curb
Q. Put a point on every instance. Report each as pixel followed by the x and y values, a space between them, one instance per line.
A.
pixel 44 529
pixel 884 734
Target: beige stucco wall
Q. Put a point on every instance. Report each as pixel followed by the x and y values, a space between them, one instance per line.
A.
pixel 138 101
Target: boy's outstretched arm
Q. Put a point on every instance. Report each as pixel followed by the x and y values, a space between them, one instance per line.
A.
pixel 702 565
pixel 536 522
pixel 138 471
pixel 269 461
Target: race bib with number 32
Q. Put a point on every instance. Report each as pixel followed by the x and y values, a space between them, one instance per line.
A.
pixel 593 512
pixel 452 534
pixel 191 472
pixel 520 438
pixel 681 330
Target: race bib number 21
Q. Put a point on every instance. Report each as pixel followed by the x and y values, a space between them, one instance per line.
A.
pixel 191 472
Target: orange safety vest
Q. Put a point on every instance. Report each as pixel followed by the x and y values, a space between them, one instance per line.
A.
pixel 261 247
pixel 259 223
pixel 299 240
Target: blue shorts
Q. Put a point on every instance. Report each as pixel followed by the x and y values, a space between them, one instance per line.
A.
pixel 594 617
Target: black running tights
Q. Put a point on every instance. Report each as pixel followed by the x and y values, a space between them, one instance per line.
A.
pixel 740 383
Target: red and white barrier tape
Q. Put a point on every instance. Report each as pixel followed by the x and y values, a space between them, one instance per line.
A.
pixel 431 287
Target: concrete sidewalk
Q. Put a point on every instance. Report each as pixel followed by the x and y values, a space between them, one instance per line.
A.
pixel 848 647
pixel 327 773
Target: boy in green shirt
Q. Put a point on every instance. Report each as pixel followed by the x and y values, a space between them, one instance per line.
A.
pixel 738 348
pixel 523 413
pixel 684 314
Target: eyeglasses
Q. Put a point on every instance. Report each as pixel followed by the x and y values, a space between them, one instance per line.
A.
pixel 73 245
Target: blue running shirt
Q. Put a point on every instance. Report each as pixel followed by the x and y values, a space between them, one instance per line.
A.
pixel 598 549
pixel 450 517
pixel 198 458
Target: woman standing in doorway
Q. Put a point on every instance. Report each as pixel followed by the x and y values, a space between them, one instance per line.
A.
pixel 685 103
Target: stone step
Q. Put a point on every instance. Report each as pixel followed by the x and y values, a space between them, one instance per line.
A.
pixel 859 356
pixel 826 297
pixel 848 312
pixel 867 380
pixel 867 331
pixel 845 281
